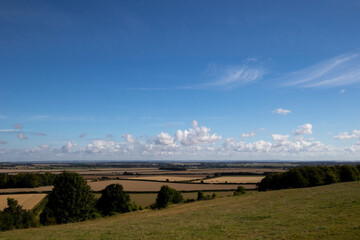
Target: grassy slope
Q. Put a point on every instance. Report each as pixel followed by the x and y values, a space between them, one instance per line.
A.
pixel 326 212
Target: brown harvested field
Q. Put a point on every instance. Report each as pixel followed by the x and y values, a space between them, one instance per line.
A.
pixel 171 178
pixel 235 179
pixel 138 186
pixel 27 201
pixel 143 186
pixel 37 189
pixel 147 171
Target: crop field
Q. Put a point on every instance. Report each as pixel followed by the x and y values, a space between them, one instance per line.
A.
pixel 171 178
pixel 27 201
pixel 325 212
pixel 144 186
pixel 235 179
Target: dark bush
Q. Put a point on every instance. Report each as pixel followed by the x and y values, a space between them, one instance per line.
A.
pixel 168 195
pixel 114 200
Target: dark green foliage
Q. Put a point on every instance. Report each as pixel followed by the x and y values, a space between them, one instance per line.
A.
pixel 239 191
pixel 200 196
pixel 114 200
pixel 70 201
pixel 15 217
pixel 26 180
pixel 166 196
pixel 309 176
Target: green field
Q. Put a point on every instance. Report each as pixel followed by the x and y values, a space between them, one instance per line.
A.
pixel 325 212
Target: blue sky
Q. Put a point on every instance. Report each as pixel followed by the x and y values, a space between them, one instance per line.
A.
pixel 179 80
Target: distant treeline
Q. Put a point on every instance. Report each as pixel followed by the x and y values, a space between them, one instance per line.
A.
pixel 26 180
pixel 310 176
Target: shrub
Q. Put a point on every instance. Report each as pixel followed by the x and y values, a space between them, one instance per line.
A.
pixel 239 191
pixel 114 200
pixel 166 196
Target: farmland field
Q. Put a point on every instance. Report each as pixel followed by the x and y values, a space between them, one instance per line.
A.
pixel 171 178
pixel 137 186
pixel 325 212
pixel 146 199
pixel 234 179
pixel 27 201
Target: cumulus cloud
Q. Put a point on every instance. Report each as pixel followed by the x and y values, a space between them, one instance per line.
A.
pixel 247 135
pixel 18 126
pixel 196 135
pixel 164 139
pixel 68 147
pixel 303 129
pixel 346 135
pixel 281 111
pixel 21 136
pixel 83 135
pixel 129 138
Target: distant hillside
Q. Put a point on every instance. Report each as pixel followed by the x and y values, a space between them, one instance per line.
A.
pixel 325 212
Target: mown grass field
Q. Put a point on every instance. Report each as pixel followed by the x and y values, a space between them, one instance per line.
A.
pixel 325 212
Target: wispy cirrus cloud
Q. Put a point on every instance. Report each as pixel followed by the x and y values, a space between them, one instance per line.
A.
pixel 222 77
pixel 339 71
pixel 230 77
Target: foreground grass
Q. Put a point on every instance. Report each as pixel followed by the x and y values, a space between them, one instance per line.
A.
pixel 326 212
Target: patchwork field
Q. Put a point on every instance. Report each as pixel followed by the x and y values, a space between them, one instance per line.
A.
pixel 234 179
pixel 142 186
pixel 138 186
pixel 325 212
pixel 27 201
pixel 171 178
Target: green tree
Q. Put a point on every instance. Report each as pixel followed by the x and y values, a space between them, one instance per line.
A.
pixel 71 200
pixel 200 195
pixel 114 200
pixel 168 195
pixel 15 217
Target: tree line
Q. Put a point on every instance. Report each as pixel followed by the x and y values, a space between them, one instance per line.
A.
pixel 26 180
pixel 310 176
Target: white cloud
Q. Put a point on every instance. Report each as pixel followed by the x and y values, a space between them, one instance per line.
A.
pixel 196 135
pixel 129 138
pixel 303 129
pixel 346 135
pixel 342 91
pixel 261 129
pixel 339 71
pixel 21 136
pixel 247 135
pixel 68 147
pixel 281 111
pixel 164 139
